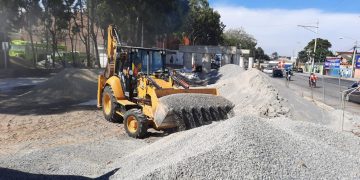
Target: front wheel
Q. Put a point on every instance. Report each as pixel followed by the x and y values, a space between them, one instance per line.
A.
pixel 109 105
pixel 135 123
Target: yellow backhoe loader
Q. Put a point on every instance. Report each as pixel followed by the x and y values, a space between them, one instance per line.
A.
pixel 139 90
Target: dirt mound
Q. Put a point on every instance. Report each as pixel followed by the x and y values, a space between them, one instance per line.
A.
pixel 67 85
pixel 247 148
pixel 250 92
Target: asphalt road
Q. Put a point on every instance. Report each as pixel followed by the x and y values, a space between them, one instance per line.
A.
pixel 327 90
pixel 7 84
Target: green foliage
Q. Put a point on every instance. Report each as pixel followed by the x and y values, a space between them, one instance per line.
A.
pixel 9 17
pixel 260 54
pixel 240 38
pixel 275 55
pixel 322 51
pixel 203 25
pixel 157 18
pixel 31 13
pixel 303 56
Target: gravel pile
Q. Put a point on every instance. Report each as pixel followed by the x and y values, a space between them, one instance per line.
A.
pixel 247 148
pixel 67 85
pixel 251 92
pixel 191 110
pixel 230 71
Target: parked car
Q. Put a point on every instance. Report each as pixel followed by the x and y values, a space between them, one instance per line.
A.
pixel 299 70
pixel 277 73
pixel 268 70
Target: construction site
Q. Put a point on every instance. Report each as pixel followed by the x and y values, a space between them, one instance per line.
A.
pixel 53 129
pixel 162 91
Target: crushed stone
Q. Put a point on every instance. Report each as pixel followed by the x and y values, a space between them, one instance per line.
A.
pixel 246 147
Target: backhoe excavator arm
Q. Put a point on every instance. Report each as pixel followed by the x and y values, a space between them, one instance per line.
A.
pixel 112 44
pixel 110 70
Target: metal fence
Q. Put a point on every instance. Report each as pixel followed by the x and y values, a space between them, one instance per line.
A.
pixel 331 92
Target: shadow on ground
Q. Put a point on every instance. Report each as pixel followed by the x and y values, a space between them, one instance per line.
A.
pixel 6 173
pixel 213 77
pixel 19 108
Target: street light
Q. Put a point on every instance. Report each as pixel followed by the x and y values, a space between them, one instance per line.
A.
pixel 316 31
pixel 354 53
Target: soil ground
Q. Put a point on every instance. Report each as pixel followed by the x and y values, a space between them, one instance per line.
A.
pixel 59 137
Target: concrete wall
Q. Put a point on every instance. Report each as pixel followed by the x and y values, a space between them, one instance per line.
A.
pixel 209 49
pixel 202 55
pixel 187 60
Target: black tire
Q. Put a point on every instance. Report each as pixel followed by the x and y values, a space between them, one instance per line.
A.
pixel 142 123
pixel 111 115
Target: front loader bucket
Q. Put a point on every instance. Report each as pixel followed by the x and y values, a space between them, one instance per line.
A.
pixel 190 110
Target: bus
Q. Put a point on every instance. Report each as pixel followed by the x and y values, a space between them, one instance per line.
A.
pixel 21 48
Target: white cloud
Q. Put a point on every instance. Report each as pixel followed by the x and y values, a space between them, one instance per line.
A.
pixel 277 30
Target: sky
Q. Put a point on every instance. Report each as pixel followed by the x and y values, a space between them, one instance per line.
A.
pixel 274 23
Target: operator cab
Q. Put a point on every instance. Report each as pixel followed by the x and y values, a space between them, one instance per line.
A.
pixel 135 60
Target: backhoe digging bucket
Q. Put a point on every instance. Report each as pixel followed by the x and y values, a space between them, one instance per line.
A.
pixel 190 110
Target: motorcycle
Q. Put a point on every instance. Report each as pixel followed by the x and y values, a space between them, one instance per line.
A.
pixel 312 83
pixel 288 77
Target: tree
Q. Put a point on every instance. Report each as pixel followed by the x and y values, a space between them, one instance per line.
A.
pixel 240 38
pixel 274 55
pixel 30 16
pixel 260 54
pixel 142 23
pixel 322 51
pixel 72 29
pixel 9 18
pixel 203 25
pixel 56 20
pixel 82 22
pixel 303 56
pixel 93 33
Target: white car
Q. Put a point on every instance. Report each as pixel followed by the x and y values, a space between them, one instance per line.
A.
pixel 268 70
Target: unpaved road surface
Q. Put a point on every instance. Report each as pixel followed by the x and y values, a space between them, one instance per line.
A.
pixel 75 142
pixel 59 137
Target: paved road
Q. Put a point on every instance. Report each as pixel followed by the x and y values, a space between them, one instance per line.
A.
pixel 299 84
pixel 9 84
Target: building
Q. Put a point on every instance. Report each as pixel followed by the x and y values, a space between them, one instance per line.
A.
pixel 203 56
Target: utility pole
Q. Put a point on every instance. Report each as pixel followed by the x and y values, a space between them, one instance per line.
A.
pixel 353 60
pixel 316 31
pixel 142 33
pixel 354 54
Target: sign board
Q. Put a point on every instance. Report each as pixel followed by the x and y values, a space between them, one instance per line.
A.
pixel 346 71
pixel 5 46
pixel 357 62
pixel 245 51
pixel 332 63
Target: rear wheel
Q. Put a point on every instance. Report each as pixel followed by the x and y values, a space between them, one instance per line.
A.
pixel 109 105
pixel 135 123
